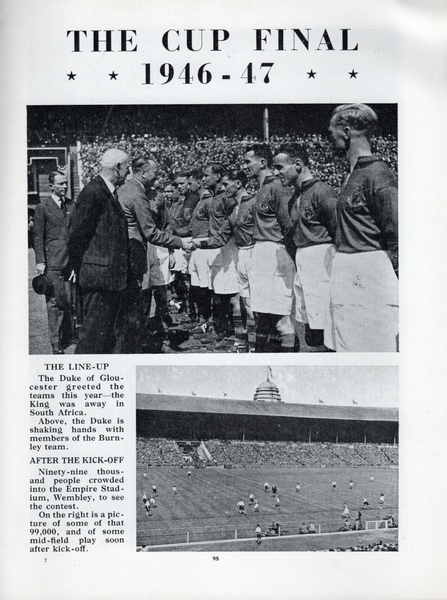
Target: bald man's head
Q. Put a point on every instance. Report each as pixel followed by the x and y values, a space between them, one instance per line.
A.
pixel 115 166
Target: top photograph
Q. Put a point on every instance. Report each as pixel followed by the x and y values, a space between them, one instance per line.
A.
pixel 237 228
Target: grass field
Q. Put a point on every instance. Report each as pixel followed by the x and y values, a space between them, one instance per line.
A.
pixel 204 506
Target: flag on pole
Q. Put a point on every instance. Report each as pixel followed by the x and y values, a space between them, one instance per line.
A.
pixel 321 401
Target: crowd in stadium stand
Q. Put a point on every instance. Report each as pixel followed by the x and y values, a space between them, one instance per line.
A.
pixel 375 547
pixel 205 142
pixel 173 155
pixel 158 452
pixel 162 452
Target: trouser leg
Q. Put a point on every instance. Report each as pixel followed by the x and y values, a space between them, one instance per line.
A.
pixel 130 329
pixel 58 310
pixel 98 332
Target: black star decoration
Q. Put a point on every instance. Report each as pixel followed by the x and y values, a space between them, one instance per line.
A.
pixel 311 74
pixel 113 75
pixel 71 75
pixel 353 74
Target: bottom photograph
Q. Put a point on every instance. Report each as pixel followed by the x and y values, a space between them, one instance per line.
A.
pixel 260 458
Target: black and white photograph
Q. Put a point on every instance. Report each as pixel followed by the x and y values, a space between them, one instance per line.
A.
pixel 266 459
pixel 213 228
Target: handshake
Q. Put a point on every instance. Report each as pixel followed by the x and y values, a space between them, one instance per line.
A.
pixel 190 244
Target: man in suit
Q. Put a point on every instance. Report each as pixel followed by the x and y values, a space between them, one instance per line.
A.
pixel 50 246
pixel 98 248
pixel 142 228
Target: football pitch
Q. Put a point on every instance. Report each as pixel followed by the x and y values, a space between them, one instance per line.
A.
pixel 203 506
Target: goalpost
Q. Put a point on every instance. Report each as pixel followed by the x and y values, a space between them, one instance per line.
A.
pixel 378 524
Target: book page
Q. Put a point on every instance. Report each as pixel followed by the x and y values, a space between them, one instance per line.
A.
pixel 124 468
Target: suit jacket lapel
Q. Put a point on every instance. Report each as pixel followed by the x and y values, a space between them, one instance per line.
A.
pixel 114 201
pixel 57 212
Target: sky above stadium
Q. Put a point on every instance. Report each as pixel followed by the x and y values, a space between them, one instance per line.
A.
pixel 337 386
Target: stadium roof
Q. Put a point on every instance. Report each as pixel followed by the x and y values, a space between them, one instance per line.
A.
pixel 195 404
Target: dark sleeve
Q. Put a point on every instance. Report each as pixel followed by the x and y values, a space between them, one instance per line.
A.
pixel 83 224
pixel 388 202
pixel 219 240
pixel 39 234
pixel 185 231
pixel 149 229
pixel 281 197
pixel 190 204
pixel 327 210
pixel 225 232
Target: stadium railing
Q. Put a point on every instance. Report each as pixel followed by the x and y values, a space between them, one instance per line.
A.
pixel 210 534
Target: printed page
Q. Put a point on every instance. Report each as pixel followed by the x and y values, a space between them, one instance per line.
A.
pixel 209 346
